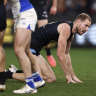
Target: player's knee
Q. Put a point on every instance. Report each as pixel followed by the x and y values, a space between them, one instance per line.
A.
pixel 51 79
pixel 18 51
pixel 27 51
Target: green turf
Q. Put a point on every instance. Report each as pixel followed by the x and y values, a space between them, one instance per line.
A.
pixel 84 64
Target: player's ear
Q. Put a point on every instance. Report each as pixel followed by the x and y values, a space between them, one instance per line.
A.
pixel 77 22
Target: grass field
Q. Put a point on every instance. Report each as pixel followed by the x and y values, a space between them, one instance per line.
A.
pixel 84 64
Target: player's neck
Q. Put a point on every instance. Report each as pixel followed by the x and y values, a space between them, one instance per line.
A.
pixel 74 28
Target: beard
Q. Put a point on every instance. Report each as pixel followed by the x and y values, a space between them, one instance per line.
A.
pixel 78 30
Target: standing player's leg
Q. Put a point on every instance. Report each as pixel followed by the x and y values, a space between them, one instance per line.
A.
pixel 23 32
pixel 20 45
pixel 22 49
pixel 2 53
pixel 2 62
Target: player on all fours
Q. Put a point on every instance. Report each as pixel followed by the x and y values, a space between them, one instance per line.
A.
pixel 62 32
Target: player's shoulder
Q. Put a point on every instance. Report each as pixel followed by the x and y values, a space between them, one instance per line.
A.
pixel 64 26
pixel 64 29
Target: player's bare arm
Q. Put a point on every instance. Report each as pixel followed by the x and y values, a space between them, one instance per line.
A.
pixel 68 59
pixel 64 31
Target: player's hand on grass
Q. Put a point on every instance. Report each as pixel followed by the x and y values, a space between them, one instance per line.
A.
pixel 70 80
pixel 76 79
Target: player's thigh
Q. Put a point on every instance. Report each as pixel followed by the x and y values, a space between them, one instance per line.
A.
pixel 22 37
pixel 24 27
pixel 44 67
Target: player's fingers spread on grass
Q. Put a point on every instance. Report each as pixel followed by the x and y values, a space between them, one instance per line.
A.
pixel 76 79
pixel 71 81
pixel 79 81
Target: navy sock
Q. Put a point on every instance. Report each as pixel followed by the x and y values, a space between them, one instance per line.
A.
pixel 8 75
pixel 30 82
pixel 48 51
pixel 2 78
pixel 19 71
pixel 36 77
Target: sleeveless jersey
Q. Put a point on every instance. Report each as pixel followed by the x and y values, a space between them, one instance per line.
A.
pixel 19 6
pixel 43 35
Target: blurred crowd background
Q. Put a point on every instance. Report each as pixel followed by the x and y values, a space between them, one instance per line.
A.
pixel 66 10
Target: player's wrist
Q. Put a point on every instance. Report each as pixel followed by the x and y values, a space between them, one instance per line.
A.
pixel 67 76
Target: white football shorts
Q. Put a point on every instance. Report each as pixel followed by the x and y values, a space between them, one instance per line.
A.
pixel 26 19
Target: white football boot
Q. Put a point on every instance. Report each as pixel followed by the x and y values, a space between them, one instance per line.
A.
pixel 12 68
pixel 25 89
pixel 39 84
pixel 2 87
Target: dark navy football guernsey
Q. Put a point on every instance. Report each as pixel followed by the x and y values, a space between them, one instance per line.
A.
pixel 47 33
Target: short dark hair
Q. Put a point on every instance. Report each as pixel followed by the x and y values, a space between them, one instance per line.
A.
pixel 83 16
